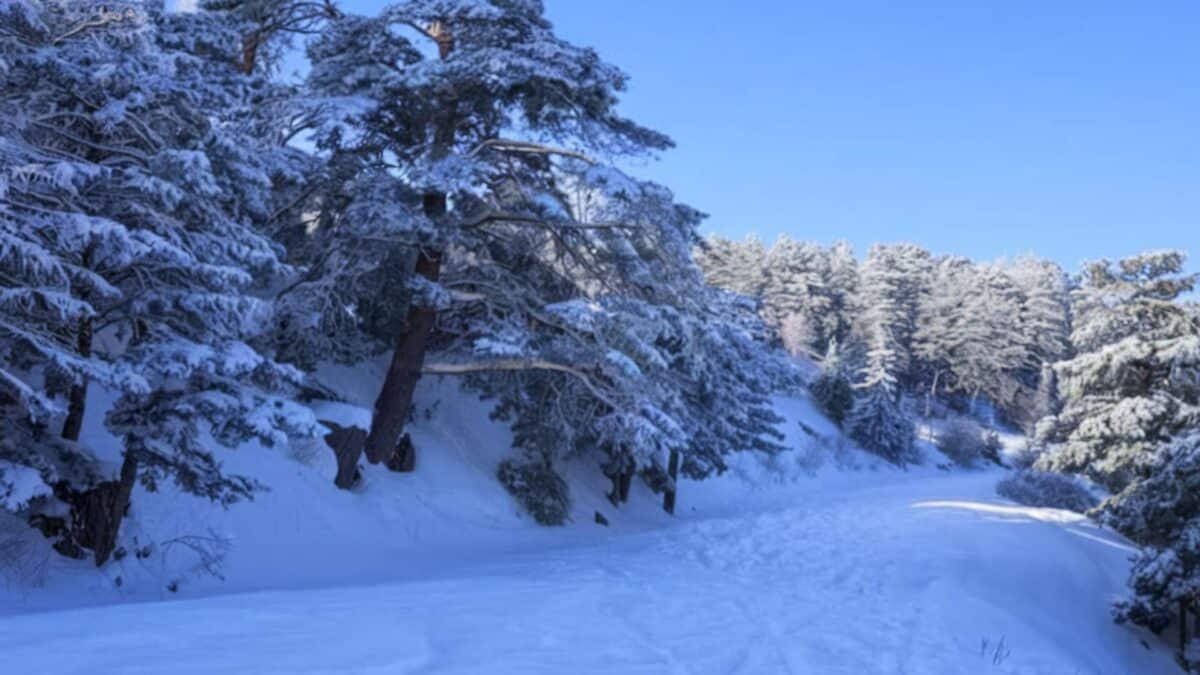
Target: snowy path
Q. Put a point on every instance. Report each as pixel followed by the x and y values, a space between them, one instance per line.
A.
pixel 907 577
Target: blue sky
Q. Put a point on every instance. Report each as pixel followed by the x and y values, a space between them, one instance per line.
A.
pixel 1071 129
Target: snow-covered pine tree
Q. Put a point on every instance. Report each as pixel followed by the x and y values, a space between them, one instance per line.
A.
pixel 1045 322
pixel 832 389
pixel 619 337
pixel 1133 384
pixel 1161 512
pixel 876 422
pixel 738 266
pixel 842 286
pixel 794 294
pixel 122 268
pixel 892 283
pixel 477 104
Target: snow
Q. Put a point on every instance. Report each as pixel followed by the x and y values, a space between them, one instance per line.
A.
pixel 821 560
pixel 881 578
pixel 19 485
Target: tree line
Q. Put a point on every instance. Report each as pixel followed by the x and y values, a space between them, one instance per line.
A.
pixel 1100 368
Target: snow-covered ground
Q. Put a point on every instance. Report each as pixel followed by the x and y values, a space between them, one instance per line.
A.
pixel 849 571
pixel 925 574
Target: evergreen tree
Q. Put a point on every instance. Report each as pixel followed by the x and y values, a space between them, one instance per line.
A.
pixel 465 146
pixel 738 266
pixel 1133 384
pixel 876 421
pixel 1162 513
pixel 795 300
pixel 123 266
pixel 832 389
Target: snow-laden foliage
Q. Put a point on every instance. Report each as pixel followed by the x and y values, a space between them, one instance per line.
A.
pixel 1134 383
pixel 963 441
pixel 1162 512
pixel 1046 489
pixel 962 332
pixel 128 257
pixel 833 390
pixel 466 144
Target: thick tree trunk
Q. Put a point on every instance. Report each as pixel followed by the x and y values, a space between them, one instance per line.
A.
pixel 96 514
pixel 77 397
pixel 395 397
pixel 346 443
pixel 672 490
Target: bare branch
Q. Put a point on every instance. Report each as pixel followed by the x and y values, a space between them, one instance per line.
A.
pixel 519 365
pixel 505 145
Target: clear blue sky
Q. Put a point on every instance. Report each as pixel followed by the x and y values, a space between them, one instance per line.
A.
pixel 1067 128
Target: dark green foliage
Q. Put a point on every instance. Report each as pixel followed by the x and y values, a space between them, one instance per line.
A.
pixel 834 395
pixel 879 425
pixel 538 488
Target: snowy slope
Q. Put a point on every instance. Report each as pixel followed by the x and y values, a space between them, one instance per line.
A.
pixel 820 561
pixel 895 576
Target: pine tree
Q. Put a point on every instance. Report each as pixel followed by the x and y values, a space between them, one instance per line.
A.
pixel 794 294
pixel 484 131
pixel 122 266
pixel 1161 512
pixel 876 421
pixel 738 266
pixel 832 389
pixel 1133 384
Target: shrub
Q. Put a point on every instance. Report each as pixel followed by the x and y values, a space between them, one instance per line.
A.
pixel 992 446
pixel 833 395
pixel 1046 489
pixel 538 488
pixel 963 442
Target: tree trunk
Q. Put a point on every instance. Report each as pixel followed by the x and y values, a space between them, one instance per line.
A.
pixel 395 397
pixel 673 489
pixel 249 52
pixel 96 514
pixel 931 395
pixel 346 443
pixel 77 397
pixel 626 481
pixel 1183 626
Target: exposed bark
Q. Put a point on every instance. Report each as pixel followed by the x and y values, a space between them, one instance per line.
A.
pixel 624 482
pixel 96 514
pixel 346 443
pixel 250 52
pixel 404 459
pixel 1183 625
pixel 77 397
pixel 672 490
pixel 394 403
pixel 395 396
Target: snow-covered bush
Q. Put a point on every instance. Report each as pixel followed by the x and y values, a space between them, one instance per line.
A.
pixel 538 488
pixel 1046 489
pixel 963 442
